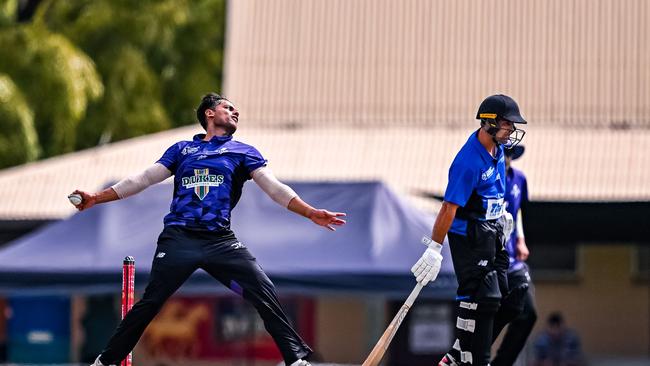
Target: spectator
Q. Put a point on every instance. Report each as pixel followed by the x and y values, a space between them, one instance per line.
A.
pixel 557 345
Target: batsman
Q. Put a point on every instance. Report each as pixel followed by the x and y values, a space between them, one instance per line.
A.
pixel 474 219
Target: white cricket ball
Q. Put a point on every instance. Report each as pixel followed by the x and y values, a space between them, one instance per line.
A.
pixel 75 198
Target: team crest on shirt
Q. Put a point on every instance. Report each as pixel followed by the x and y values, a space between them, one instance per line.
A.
pixel 515 191
pixel 201 181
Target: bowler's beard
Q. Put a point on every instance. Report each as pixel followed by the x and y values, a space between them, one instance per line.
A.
pixel 230 129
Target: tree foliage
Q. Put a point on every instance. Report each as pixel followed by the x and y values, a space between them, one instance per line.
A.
pixel 8 10
pixel 92 71
pixel 57 79
pixel 181 46
pixel 18 141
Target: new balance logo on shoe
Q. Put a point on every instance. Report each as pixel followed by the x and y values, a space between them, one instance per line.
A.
pixel 237 245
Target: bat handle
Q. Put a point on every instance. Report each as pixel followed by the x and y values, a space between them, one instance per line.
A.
pixel 414 295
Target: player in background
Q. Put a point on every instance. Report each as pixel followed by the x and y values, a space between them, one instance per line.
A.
pixel 518 307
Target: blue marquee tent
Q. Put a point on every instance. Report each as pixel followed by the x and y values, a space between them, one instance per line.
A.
pixel 372 253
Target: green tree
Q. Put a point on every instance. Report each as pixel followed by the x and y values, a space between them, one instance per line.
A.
pixel 174 46
pixel 104 70
pixel 195 59
pixel 8 9
pixel 131 105
pixel 18 141
pixel 57 79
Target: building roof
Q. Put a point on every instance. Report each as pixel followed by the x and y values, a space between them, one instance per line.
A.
pixel 563 165
pixel 426 62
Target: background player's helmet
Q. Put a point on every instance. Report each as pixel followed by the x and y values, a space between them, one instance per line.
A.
pixel 497 107
pixel 516 152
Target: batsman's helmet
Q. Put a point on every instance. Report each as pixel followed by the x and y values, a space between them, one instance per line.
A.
pixel 500 106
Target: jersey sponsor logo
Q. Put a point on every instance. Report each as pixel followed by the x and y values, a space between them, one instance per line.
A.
pixel 222 150
pixel 482 263
pixel 160 255
pixel 189 150
pixel 488 173
pixel 201 181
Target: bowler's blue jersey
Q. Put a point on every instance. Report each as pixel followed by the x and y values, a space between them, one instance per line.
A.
pixel 208 180
pixel 476 184
pixel 516 198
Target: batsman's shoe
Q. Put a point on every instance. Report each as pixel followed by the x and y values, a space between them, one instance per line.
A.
pixel 447 361
pixel 98 362
pixel 300 363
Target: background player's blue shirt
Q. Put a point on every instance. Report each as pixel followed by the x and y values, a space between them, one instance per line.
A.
pixel 208 180
pixel 516 197
pixel 476 184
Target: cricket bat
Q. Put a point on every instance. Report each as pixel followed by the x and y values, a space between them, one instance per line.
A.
pixel 382 345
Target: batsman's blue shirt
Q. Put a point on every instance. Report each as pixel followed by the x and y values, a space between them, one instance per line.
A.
pixel 516 198
pixel 208 180
pixel 476 184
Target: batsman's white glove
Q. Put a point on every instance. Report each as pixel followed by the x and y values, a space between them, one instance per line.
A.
pixel 509 225
pixel 426 269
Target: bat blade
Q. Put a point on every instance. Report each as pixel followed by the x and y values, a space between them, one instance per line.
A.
pixel 377 353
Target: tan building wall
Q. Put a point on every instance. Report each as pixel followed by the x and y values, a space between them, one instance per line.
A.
pixel 341 329
pixel 606 305
pixel 432 61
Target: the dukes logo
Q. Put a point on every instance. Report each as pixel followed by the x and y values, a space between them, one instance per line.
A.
pixel 201 181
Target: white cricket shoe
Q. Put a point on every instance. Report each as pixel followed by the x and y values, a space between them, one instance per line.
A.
pixel 447 361
pixel 300 363
pixel 99 363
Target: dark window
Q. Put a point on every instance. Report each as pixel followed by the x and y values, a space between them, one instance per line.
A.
pixel 553 261
pixel 641 266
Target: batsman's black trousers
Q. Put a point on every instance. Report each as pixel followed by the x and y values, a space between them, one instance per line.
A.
pixel 180 252
pixel 520 327
pixel 481 264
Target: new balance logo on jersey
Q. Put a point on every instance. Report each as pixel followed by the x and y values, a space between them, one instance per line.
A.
pixel 482 263
pixel 201 181
pixel 160 255
pixel 488 173
pixel 222 150
pixel 189 150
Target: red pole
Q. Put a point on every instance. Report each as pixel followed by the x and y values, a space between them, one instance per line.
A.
pixel 128 281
